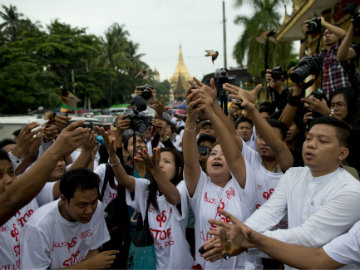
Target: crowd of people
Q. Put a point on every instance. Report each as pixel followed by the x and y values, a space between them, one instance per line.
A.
pixel 264 185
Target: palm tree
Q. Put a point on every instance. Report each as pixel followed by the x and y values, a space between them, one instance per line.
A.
pixel 265 18
pixel 11 19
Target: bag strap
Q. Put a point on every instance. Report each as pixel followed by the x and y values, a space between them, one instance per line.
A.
pixel 106 180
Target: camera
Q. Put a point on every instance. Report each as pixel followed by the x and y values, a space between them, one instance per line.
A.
pixel 203 149
pixel 318 95
pixel 314 26
pixel 352 9
pixel 139 121
pixel 146 91
pixel 221 77
pixel 308 65
pixel 277 72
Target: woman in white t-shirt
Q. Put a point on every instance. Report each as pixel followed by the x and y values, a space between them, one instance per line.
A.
pixel 163 198
pixel 226 180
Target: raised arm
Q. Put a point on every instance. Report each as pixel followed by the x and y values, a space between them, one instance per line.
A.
pixel 345 52
pixel 226 134
pixel 28 185
pixel 123 178
pixel 192 167
pixel 167 188
pixel 279 148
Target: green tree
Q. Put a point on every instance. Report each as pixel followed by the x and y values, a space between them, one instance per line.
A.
pixel 265 18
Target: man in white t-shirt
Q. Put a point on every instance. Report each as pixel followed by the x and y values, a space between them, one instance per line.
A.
pixel 69 231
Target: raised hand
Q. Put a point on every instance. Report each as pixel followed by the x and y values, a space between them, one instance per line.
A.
pixel 160 107
pixel 238 238
pixel 27 136
pixel 242 94
pixel 70 138
pixel 109 141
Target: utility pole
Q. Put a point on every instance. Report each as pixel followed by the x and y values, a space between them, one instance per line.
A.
pixel 224 33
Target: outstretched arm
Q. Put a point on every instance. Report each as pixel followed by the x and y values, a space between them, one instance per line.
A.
pixel 167 188
pixel 28 185
pixel 192 167
pixel 242 237
pixel 279 148
pixel 225 133
pixel 123 178
pixel 345 52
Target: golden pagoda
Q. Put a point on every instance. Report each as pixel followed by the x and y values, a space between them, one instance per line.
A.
pixel 179 80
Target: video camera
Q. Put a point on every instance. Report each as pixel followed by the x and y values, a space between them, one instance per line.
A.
pixel 314 26
pixel 352 9
pixel 308 65
pixel 139 121
pixel 146 91
pixel 221 77
pixel 278 72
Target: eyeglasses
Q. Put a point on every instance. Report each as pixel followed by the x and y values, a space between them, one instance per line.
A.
pixel 338 105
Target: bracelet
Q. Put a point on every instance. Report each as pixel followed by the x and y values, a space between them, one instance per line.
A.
pixel 294 100
pixel 114 164
pixel 331 113
pixel 190 130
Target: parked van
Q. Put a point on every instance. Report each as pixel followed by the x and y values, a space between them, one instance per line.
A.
pixel 9 124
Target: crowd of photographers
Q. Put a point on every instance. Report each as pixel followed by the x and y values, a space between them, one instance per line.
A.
pixel 208 182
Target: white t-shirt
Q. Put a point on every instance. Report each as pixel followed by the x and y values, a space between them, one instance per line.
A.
pixel 10 245
pixel 266 181
pixel 109 192
pixel 167 226
pixel 10 231
pixel 49 241
pixel 318 208
pixel 345 249
pixel 205 202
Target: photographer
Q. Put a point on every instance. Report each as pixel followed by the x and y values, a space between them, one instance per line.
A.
pixel 275 82
pixel 335 74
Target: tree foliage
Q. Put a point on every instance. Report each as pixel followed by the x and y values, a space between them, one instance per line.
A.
pixel 265 18
pixel 36 63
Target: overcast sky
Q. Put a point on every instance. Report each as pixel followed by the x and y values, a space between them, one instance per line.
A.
pixel 158 26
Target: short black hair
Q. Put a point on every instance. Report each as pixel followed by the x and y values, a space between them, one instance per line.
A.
pixel 78 179
pixel 267 106
pixel 342 129
pixel 4 156
pixel 127 138
pixel 5 142
pixel 280 125
pixel 206 137
pixel 243 119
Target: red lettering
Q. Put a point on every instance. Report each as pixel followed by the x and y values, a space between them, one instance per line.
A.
pixel 3 229
pixel 160 234
pixel 72 260
pixel 15 232
pixel 161 218
pixel 267 195
pixel 22 220
pixel 85 234
pixel 208 200
pixel 230 192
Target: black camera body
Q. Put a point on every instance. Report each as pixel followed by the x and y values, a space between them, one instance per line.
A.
pixel 308 65
pixel 146 91
pixel 139 121
pixel 314 26
pixel 278 72
pixel 352 9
